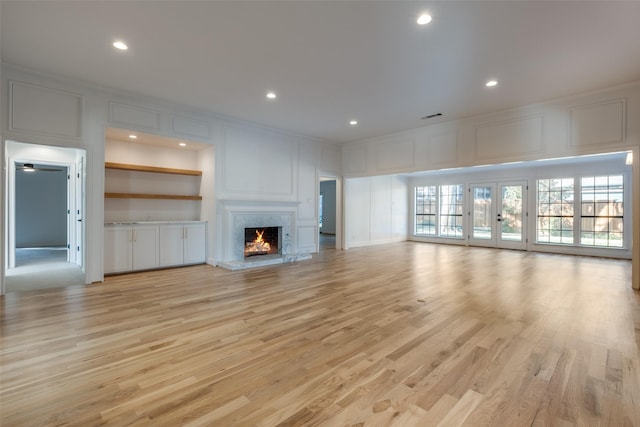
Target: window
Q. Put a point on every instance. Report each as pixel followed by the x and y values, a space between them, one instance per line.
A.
pixel 555 210
pixel 451 210
pixel 426 211
pixel 439 210
pixel 601 212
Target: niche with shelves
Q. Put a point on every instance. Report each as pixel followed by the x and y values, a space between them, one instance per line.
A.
pixel 145 170
pixel 153 179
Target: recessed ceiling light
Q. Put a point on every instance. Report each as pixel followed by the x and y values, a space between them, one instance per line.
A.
pixel 271 95
pixel 353 122
pixel 424 19
pixel 491 83
pixel 119 44
pixel 132 136
pixel 183 144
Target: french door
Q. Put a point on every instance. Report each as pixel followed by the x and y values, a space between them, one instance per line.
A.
pixel 497 214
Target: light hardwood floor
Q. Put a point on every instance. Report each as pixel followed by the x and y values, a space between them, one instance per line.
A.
pixel 407 334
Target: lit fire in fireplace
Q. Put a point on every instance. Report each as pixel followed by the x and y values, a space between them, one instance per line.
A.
pixel 258 246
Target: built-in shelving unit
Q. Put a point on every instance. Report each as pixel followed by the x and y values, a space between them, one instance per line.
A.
pixel 154 190
pixel 153 169
pixel 150 196
pixel 140 168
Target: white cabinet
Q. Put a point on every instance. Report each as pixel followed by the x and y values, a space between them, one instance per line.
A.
pixel 195 243
pixel 131 247
pixel 182 243
pixel 140 246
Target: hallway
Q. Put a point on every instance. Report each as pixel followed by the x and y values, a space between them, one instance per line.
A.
pixel 42 268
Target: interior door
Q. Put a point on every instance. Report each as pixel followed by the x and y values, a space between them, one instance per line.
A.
pixel 79 213
pixel 498 214
pixel 71 225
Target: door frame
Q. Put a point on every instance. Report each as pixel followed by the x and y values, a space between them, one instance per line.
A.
pixel 496 241
pixel 339 209
pixel 22 152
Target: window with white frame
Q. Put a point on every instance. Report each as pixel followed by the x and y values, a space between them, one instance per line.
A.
pixel 602 211
pixel 439 210
pixel 450 218
pixel 426 210
pixel 555 211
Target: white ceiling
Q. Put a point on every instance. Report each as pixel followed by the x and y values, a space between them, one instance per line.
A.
pixel 332 61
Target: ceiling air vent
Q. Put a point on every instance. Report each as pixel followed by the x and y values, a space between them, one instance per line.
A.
pixel 431 116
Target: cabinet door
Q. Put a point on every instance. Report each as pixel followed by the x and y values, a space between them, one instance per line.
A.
pixel 145 247
pixel 171 244
pixel 195 248
pixel 117 249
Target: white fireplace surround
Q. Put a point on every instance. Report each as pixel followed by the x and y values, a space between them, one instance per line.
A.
pixel 238 215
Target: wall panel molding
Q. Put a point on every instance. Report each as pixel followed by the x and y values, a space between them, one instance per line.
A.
pixel 259 165
pixel 443 149
pixel 396 154
pixel 354 160
pixel 600 123
pixel 306 238
pixel 45 111
pixel 190 128
pixel 509 138
pixel 330 160
pixel 127 115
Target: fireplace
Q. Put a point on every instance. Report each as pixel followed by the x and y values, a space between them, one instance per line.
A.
pixel 238 215
pixel 262 241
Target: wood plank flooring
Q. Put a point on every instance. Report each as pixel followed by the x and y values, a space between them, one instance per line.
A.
pixel 408 334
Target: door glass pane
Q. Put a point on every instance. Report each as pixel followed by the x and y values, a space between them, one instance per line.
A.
pixel 482 218
pixel 511 224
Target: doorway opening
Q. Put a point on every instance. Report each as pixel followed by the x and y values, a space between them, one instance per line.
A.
pixel 44 209
pixel 328 202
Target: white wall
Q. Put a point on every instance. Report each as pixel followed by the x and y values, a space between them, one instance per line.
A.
pixel 2 178
pixel 252 163
pixel 41 209
pixel 376 210
pixel 602 121
pixel 328 191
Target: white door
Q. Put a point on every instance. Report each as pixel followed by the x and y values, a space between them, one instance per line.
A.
pixel 498 215
pixel 71 224
pixel 79 213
